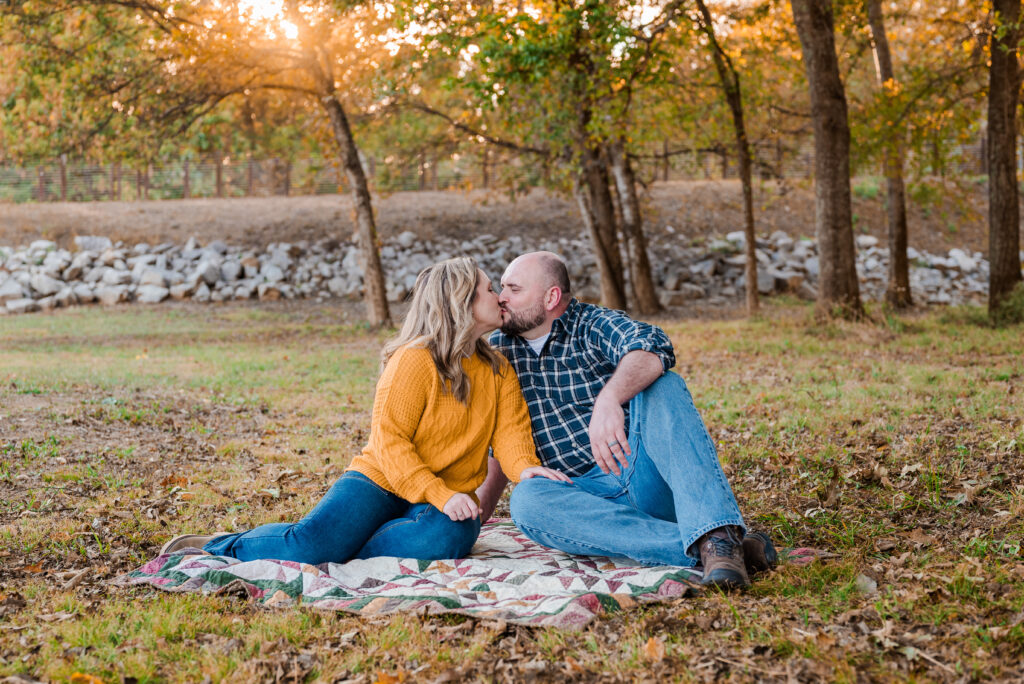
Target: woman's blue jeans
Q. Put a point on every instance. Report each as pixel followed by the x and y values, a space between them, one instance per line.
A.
pixel 356 519
pixel 672 492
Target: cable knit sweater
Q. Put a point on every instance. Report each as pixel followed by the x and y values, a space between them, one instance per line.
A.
pixel 426 446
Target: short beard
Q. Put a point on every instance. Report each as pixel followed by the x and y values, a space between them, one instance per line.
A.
pixel 518 323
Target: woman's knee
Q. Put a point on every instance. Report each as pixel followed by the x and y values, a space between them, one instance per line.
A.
pixel 460 541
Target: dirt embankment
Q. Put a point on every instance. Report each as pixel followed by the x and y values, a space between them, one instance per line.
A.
pixel 945 218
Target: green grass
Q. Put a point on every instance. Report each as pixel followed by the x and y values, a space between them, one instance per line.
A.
pixel 894 445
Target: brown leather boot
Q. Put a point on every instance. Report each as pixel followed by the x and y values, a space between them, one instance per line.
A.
pixel 759 553
pixel 721 554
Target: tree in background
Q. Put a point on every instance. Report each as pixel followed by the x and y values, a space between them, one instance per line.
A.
pixel 897 292
pixel 556 80
pixel 1003 192
pixel 838 288
pixel 82 79
pixel 730 80
pixel 181 61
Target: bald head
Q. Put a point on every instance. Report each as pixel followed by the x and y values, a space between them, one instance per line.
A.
pixel 548 267
pixel 534 292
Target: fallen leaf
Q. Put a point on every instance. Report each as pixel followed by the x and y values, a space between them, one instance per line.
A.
pixel 573 664
pixel 919 537
pixel 82 678
pixel 907 469
pixel 885 545
pixel 172 480
pixel 59 616
pixel 385 678
pixel 865 585
pixel 654 650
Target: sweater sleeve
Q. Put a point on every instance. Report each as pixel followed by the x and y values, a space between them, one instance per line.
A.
pixel 513 436
pixel 398 407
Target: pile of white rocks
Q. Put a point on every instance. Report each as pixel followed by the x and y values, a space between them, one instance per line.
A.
pixel 43 276
pixel 716 270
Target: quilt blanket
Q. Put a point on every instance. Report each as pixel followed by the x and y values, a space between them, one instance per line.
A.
pixel 507 577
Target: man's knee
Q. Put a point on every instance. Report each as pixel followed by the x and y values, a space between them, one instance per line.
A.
pixel 528 498
pixel 668 386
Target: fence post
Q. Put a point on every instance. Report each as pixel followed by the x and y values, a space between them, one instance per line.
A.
pixel 219 174
pixel 185 192
pixel 664 160
pixel 63 177
pixel 288 178
pixel 248 190
pixel 41 173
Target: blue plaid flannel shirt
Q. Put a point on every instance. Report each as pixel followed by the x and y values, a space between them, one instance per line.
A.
pixel 561 383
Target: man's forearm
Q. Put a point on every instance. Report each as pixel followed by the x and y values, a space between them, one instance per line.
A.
pixel 635 372
pixel 490 491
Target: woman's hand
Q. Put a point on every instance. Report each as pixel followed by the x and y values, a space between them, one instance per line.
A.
pixel 461 507
pixel 541 471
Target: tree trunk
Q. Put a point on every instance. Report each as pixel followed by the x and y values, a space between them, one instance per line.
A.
pixel 599 216
pixel 838 289
pixel 610 292
pixel 730 80
pixel 627 286
pixel 633 229
pixel 373 274
pixel 897 291
pixel 1003 200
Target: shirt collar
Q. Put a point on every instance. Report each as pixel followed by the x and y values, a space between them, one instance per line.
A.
pixel 568 317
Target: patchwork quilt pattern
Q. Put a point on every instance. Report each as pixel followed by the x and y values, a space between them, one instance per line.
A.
pixel 506 577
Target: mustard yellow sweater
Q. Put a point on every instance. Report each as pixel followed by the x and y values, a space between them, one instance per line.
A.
pixel 426 446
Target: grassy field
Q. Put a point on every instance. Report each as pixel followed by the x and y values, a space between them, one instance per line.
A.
pixel 895 445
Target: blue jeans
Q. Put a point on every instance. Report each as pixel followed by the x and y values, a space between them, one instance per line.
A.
pixel 672 492
pixel 356 519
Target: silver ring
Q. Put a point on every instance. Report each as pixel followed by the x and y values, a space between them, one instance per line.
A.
pixel 613 443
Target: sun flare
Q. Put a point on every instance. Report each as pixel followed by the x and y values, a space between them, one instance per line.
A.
pixel 269 13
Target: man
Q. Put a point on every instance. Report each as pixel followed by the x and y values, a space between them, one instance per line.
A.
pixel 645 479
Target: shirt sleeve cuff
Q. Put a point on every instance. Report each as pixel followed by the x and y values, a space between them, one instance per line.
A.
pixel 667 358
pixel 437 494
pixel 514 464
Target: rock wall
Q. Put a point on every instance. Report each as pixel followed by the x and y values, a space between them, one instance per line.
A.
pixel 43 277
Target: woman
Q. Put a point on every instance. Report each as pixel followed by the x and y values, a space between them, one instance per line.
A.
pixel 444 397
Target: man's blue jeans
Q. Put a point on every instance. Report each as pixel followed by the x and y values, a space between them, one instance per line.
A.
pixel 356 519
pixel 672 492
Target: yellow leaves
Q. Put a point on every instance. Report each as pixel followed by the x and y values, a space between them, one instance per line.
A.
pixel 892 87
pixel 82 678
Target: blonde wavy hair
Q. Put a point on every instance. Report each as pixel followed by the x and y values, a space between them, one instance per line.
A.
pixel 440 319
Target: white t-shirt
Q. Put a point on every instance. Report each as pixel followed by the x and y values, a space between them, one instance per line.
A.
pixel 538 344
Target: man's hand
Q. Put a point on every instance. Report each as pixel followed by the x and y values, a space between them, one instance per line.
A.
pixel 541 471
pixel 608 435
pixel 461 507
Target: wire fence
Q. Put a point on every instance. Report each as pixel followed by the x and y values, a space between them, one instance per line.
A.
pixel 61 180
